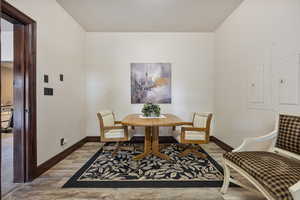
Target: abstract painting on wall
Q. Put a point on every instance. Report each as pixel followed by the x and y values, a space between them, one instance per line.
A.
pixel 151 83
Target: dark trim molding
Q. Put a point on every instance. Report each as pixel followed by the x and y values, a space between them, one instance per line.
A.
pixel 92 139
pixel 59 157
pixel 0 115
pixel 15 14
pixel 221 144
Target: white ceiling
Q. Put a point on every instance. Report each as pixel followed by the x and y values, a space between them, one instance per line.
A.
pixel 150 15
pixel 6 26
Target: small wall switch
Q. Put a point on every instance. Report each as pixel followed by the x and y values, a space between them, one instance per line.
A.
pixel 63 142
pixel 46 78
pixel 61 77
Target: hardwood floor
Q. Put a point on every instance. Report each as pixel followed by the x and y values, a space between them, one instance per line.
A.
pixel 7 163
pixel 48 186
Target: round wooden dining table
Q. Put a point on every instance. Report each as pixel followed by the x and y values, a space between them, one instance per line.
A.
pixel 151 141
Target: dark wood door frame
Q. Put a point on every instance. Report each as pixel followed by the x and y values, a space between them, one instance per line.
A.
pixel 25 148
pixel 0 112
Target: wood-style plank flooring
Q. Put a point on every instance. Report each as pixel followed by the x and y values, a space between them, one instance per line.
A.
pixel 48 186
pixel 7 175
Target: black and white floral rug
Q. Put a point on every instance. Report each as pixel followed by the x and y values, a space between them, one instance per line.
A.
pixel 121 171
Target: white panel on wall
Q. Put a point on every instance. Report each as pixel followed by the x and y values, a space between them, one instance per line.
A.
pixel 288 75
pixel 256 85
pixel 260 80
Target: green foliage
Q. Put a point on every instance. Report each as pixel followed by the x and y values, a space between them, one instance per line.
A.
pixel 150 109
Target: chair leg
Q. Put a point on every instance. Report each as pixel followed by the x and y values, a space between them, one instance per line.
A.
pixel 114 153
pixel 185 153
pixel 226 178
pixel 163 146
pixel 199 154
pixel 118 147
pixel 193 150
pixel 127 148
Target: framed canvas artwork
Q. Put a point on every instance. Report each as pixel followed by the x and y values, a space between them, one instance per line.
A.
pixel 151 83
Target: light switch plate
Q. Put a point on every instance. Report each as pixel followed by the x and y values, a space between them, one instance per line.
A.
pixel 46 78
pixel 61 77
pixel 48 91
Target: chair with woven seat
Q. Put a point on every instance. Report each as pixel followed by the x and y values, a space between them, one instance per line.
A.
pixel 191 134
pixel 113 131
pixel 274 169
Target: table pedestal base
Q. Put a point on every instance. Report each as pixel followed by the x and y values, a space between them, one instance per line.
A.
pixel 151 144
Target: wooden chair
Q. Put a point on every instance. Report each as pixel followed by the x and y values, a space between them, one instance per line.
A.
pixel 113 131
pixel 270 162
pixel 194 133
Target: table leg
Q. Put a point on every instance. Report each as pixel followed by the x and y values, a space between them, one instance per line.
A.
pixel 147 144
pixel 155 144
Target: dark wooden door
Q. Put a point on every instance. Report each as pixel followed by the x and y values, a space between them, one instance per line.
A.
pixel 0 112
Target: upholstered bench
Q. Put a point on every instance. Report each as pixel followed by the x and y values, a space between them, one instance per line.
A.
pixel 274 172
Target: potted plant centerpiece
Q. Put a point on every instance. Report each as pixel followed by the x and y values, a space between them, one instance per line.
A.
pixel 151 110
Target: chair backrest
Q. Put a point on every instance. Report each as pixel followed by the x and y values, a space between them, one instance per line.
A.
pixel 106 119
pixel 202 120
pixel 288 138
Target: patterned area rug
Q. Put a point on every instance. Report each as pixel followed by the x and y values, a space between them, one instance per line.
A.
pixel 121 171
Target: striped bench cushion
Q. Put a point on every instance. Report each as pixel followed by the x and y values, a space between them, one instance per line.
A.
pixel 274 172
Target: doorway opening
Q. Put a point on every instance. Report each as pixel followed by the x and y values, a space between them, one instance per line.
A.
pixel 18 105
pixel 7 106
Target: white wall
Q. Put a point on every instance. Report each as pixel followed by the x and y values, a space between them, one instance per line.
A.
pixel 60 47
pixel 7 42
pixel 260 33
pixel 108 58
